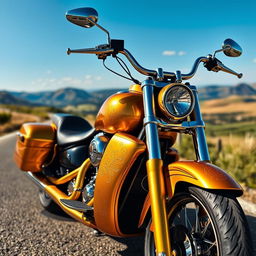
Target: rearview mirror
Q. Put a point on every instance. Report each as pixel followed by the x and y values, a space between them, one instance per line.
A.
pixel 85 17
pixel 231 48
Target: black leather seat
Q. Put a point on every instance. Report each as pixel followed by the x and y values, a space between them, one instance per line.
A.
pixel 72 129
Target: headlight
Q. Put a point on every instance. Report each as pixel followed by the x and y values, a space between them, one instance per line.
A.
pixel 176 101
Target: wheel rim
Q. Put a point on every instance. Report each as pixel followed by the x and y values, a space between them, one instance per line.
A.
pixel 192 229
pixel 44 198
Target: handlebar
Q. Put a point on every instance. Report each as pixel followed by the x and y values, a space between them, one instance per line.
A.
pixel 91 50
pixel 104 52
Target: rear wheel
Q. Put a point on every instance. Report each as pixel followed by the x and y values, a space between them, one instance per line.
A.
pixel 48 203
pixel 204 223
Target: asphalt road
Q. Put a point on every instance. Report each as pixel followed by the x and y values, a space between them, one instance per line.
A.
pixel 27 229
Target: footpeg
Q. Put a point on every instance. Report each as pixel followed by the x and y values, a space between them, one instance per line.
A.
pixel 76 205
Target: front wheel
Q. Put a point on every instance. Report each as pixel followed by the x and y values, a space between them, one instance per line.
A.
pixel 204 223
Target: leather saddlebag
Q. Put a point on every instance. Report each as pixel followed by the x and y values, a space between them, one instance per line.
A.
pixel 34 146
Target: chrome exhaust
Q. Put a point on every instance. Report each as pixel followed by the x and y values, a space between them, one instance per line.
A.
pixel 36 181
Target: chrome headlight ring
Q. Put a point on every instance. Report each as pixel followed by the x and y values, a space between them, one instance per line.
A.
pixel 176 101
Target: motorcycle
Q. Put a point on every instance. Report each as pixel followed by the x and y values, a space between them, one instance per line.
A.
pixel 123 178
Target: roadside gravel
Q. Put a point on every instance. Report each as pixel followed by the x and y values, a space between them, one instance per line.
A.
pixel 26 229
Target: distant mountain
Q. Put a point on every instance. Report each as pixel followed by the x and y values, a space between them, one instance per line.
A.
pixel 102 94
pixel 8 98
pixel 58 98
pixel 253 85
pixel 73 96
pixel 65 96
pixel 217 91
pixel 68 96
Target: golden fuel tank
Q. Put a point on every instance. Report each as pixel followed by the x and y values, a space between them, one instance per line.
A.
pixel 121 112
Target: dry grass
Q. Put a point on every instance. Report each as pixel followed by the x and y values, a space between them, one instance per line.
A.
pixel 17 120
pixel 232 104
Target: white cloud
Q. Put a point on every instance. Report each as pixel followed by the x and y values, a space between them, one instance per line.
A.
pixel 53 83
pixel 181 53
pixel 254 60
pixel 172 53
pixel 169 53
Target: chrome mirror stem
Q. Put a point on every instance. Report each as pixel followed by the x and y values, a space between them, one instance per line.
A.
pixel 103 29
pixel 220 50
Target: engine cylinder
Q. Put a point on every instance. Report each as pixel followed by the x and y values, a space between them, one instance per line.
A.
pixel 97 147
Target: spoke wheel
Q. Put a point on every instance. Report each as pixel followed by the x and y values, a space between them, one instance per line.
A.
pixel 191 228
pixel 204 224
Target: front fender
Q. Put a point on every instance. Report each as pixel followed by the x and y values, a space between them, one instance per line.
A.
pixel 202 174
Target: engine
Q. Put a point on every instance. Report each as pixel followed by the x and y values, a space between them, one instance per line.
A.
pixel 97 147
pixel 96 151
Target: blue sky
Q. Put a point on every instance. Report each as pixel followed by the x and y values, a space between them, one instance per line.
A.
pixel 35 35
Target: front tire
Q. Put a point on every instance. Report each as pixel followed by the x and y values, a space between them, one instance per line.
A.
pixel 204 223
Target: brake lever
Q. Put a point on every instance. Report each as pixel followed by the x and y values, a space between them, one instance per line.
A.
pixel 215 65
pixel 223 68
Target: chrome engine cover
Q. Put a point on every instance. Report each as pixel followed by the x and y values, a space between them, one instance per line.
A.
pixel 97 147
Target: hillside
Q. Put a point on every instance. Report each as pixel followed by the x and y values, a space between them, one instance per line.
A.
pixel 64 97
pixel 8 98
pixel 58 98
pixel 217 91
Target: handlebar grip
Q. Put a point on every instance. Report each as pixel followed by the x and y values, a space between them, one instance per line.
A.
pixel 91 51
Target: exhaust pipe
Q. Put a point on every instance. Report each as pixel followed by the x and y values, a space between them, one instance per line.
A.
pixel 36 180
pixel 57 195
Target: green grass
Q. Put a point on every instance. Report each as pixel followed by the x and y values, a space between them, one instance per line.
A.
pixel 238 158
pixel 5 117
pixel 38 111
pixel 236 128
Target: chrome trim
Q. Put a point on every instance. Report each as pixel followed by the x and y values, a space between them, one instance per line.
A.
pixel 163 104
pixel 35 180
pixel 182 126
pixel 160 74
pixel 85 17
pixel 166 74
pixel 194 68
pixel 91 51
pixel 137 66
pixel 178 76
pixel 231 48
pixel 151 129
pixel 78 189
pixel 97 147
pixel 223 68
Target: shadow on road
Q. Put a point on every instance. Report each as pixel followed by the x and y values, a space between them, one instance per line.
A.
pixel 135 245
pixel 61 216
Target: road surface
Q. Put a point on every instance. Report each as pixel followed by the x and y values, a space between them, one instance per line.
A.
pixel 26 229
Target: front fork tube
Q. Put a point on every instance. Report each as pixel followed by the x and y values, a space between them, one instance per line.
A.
pixel 199 137
pixel 155 175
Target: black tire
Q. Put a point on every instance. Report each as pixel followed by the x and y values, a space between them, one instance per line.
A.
pixel 227 226
pixel 48 203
